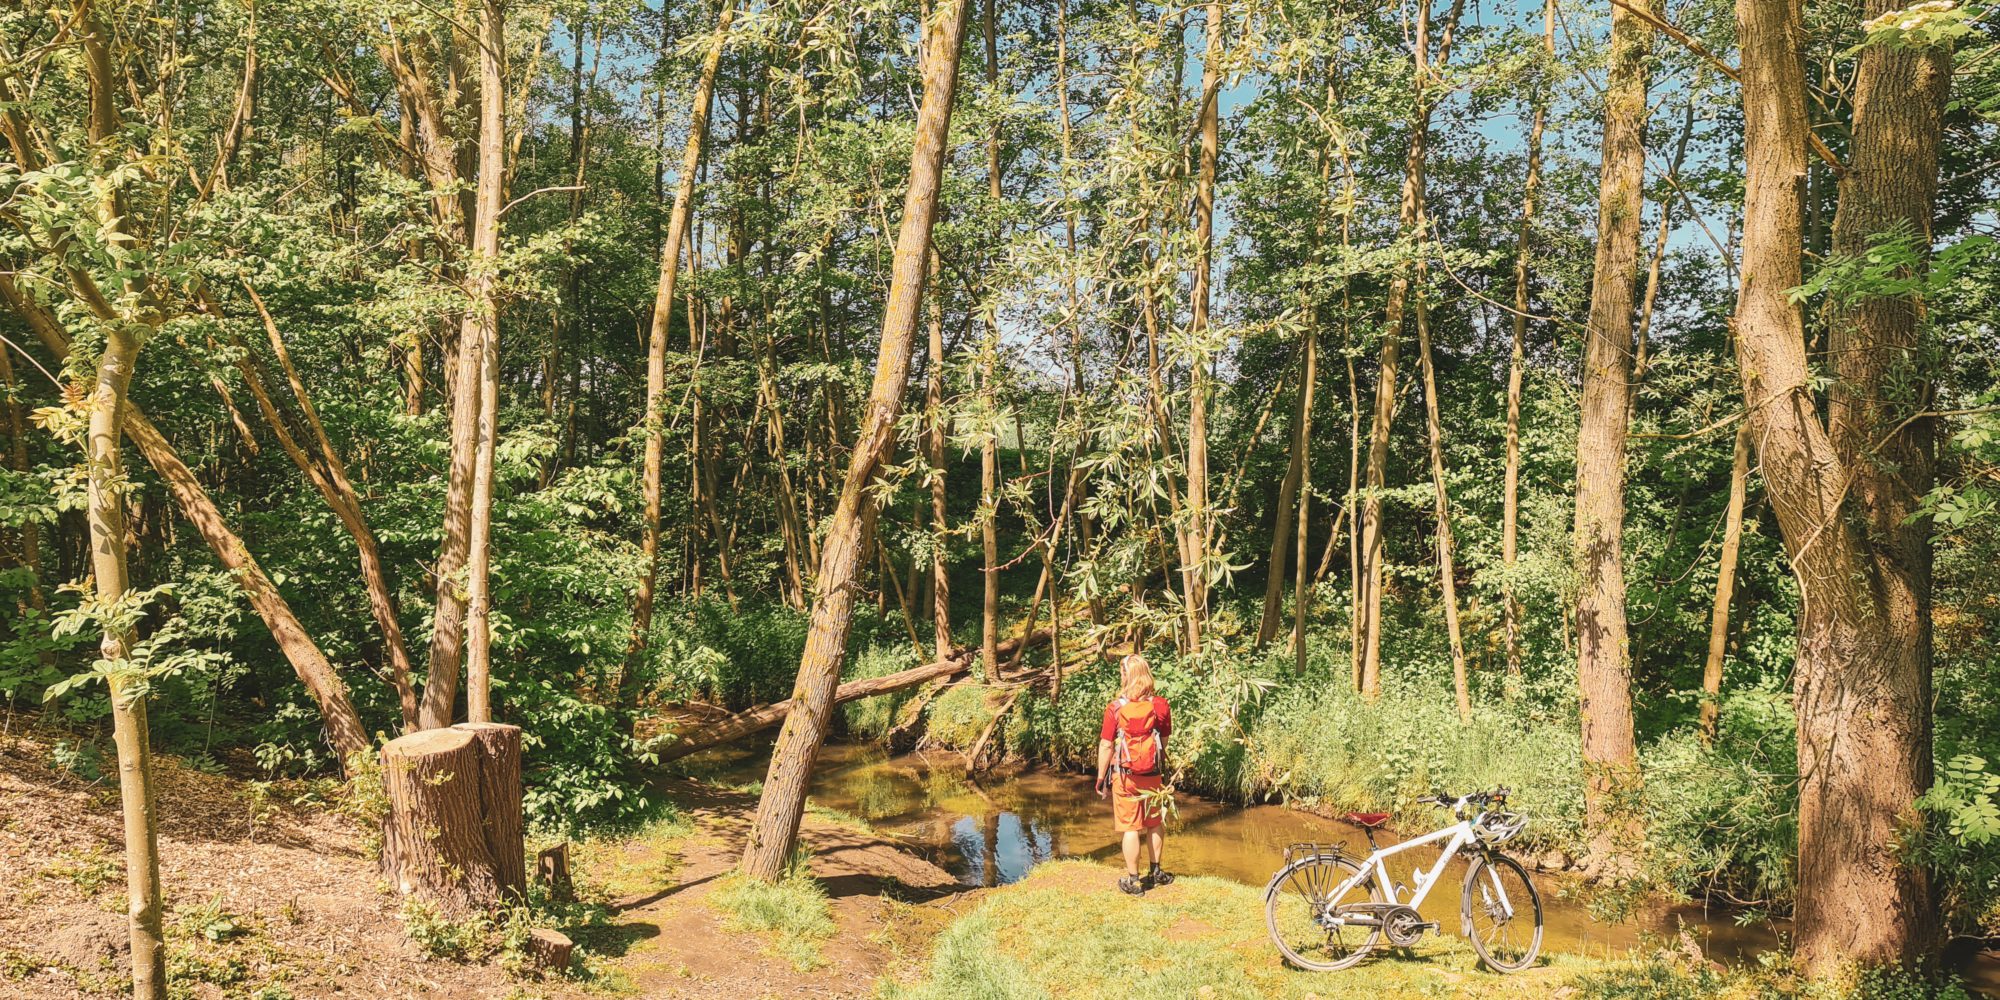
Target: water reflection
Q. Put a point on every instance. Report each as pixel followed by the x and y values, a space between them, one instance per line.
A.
pixel 993 831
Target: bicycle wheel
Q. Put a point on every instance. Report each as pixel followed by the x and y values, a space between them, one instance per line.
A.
pixel 1298 909
pixel 1502 913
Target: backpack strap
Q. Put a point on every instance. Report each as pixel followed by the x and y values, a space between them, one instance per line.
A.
pixel 1121 756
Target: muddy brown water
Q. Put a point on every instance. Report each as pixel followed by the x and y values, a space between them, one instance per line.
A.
pixel 994 831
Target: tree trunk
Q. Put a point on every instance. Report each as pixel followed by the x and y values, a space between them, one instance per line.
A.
pixel 486 310
pixel 1725 584
pixel 322 682
pixel 1200 531
pixel 328 474
pixel 109 540
pixel 1370 575
pixel 777 825
pixel 758 718
pixel 1604 665
pixel 1517 363
pixel 1281 532
pixel 1447 568
pixel 934 443
pixel 989 447
pixel 1862 684
pixel 454 832
pixel 656 350
pixel 17 457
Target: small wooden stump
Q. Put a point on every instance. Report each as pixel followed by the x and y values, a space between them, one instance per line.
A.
pixel 454 829
pixel 552 871
pixel 549 950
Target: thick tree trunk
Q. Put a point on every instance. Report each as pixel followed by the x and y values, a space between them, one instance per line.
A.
pixel 777 825
pixel 1604 659
pixel 486 308
pixel 1517 363
pixel 1845 491
pixel 656 349
pixel 453 833
pixel 1725 584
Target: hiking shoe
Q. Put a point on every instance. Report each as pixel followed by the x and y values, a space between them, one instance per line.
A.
pixel 1133 885
pixel 1159 877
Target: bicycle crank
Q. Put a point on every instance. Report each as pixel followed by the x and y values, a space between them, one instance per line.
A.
pixel 1403 926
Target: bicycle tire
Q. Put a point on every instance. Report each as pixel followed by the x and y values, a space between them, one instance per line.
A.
pixel 1491 953
pixel 1290 875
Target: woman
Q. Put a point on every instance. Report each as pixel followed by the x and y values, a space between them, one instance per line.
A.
pixel 1131 756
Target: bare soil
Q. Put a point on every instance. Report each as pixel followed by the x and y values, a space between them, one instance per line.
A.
pixel 272 893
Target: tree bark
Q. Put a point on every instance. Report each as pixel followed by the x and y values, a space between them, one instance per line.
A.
pixel 486 311
pixel 109 541
pixel 1517 363
pixel 989 447
pixel 656 349
pixel 1200 531
pixel 934 443
pixel 777 824
pixel 454 832
pixel 1845 492
pixel 1604 665
pixel 1725 584
pixel 1447 567
pixel 1372 557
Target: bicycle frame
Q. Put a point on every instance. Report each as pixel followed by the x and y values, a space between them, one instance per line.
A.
pixel 1375 866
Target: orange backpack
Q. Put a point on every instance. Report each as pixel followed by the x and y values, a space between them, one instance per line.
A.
pixel 1140 748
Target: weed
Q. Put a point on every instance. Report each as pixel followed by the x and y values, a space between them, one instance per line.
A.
pixel 442 935
pixel 88 870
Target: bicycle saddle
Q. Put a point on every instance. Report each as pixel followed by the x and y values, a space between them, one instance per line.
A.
pixel 1367 821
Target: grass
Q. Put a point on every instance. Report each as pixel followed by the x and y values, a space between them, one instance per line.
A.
pixel 1065 932
pixel 792 914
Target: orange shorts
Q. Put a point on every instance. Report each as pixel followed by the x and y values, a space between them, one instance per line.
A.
pixel 1129 811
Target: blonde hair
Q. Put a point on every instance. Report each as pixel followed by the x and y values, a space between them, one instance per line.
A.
pixel 1136 680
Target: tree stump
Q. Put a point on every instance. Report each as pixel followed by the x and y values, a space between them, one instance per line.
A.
pixel 549 950
pixel 453 833
pixel 552 870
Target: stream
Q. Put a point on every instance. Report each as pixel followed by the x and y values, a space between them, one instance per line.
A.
pixel 994 831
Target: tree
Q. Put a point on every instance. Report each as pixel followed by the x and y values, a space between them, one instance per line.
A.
pixel 115 604
pixel 852 524
pixel 485 313
pixel 1510 505
pixel 1845 488
pixel 656 341
pixel 1604 654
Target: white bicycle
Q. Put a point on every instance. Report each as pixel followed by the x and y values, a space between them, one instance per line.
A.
pixel 1326 910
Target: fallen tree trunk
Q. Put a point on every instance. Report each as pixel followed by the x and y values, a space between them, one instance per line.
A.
pixel 762 717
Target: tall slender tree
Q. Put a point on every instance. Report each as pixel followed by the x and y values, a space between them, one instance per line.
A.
pixel 656 344
pixel 851 526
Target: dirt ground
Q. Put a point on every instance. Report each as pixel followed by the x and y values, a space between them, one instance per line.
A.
pixel 272 894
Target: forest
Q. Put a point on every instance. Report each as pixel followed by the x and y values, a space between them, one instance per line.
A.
pixel 570 497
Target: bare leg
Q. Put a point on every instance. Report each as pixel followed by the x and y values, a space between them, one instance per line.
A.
pixel 1159 847
pixel 1131 852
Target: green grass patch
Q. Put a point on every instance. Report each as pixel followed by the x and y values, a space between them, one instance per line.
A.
pixel 1066 931
pixel 792 914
